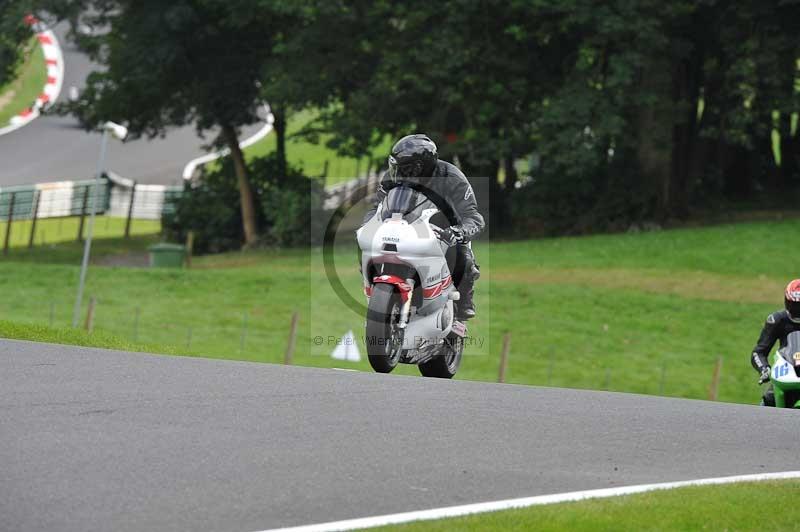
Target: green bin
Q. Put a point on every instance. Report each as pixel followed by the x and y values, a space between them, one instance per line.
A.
pixel 165 255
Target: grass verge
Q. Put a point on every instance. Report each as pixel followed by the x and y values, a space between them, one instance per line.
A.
pixel 729 507
pixel 648 313
pixel 20 93
pixel 70 336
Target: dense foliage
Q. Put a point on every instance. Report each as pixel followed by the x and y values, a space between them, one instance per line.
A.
pixel 13 37
pixel 176 63
pixel 635 109
pixel 631 110
pixel 287 208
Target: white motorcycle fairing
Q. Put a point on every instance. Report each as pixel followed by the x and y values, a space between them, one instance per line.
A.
pixel 393 246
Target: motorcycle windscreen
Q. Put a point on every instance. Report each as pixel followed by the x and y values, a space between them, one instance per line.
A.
pixel 792 350
pixel 403 200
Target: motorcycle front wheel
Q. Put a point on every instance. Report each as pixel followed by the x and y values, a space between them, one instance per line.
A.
pixel 446 364
pixel 383 336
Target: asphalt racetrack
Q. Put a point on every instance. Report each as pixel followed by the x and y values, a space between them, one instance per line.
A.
pixel 104 440
pixel 53 148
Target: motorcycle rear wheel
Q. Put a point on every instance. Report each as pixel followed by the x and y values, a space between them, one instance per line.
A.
pixel 382 332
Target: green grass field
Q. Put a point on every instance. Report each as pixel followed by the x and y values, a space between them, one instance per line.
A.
pixel 648 312
pixel 730 507
pixel 20 93
pixel 312 157
pixel 54 231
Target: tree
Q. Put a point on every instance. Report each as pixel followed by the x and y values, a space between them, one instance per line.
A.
pixel 467 73
pixel 14 35
pixel 180 63
pixel 637 109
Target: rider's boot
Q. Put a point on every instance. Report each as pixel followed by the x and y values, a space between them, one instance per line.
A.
pixel 466 306
pixel 769 397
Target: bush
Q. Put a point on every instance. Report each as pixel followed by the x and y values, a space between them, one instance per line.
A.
pixel 285 206
pixel 605 196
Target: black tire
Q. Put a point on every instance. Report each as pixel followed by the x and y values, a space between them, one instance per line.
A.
pixel 445 365
pixel 382 315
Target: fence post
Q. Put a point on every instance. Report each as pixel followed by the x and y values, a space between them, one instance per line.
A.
pixel 10 219
pixel 189 248
pixel 83 212
pixel 130 212
pixel 89 325
pixel 501 376
pixel 325 169
pixel 714 389
pixel 358 168
pixel 35 217
pixel 243 334
pixel 287 357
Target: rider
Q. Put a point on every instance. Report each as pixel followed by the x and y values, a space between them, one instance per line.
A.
pixel 777 327
pixel 414 161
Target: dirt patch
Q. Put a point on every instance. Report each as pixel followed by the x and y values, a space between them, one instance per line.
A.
pixel 695 285
pixel 7 96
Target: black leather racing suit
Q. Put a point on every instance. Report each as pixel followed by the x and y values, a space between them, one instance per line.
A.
pixel 452 194
pixel 776 328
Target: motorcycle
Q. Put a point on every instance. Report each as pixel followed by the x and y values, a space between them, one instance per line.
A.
pixel 785 374
pixel 409 288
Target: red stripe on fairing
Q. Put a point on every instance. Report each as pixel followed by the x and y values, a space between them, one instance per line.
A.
pixel 430 293
pixel 44 39
pixel 436 290
pixel 401 284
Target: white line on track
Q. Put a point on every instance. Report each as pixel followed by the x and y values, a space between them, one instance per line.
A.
pixel 494 506
pixel 188 170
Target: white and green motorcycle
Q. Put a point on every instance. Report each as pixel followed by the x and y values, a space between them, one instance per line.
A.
pixel 785 374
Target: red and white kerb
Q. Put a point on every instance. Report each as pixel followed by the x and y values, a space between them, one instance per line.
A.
pixel 55 71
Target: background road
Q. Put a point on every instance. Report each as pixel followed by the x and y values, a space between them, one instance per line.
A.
pixel 54 148
pixel 105 440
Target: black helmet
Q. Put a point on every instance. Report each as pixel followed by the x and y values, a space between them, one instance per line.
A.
pixel 413 157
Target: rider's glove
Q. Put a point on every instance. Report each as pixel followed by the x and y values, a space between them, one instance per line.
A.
pixel 764 375
pixel 450 236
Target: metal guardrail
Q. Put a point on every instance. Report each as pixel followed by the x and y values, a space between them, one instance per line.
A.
pixel 50 200
pixel 123 198
pixel 114 197
pixel 73 198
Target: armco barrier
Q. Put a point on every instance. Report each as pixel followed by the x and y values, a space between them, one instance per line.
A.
pixel 113 197
pixel 51 200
